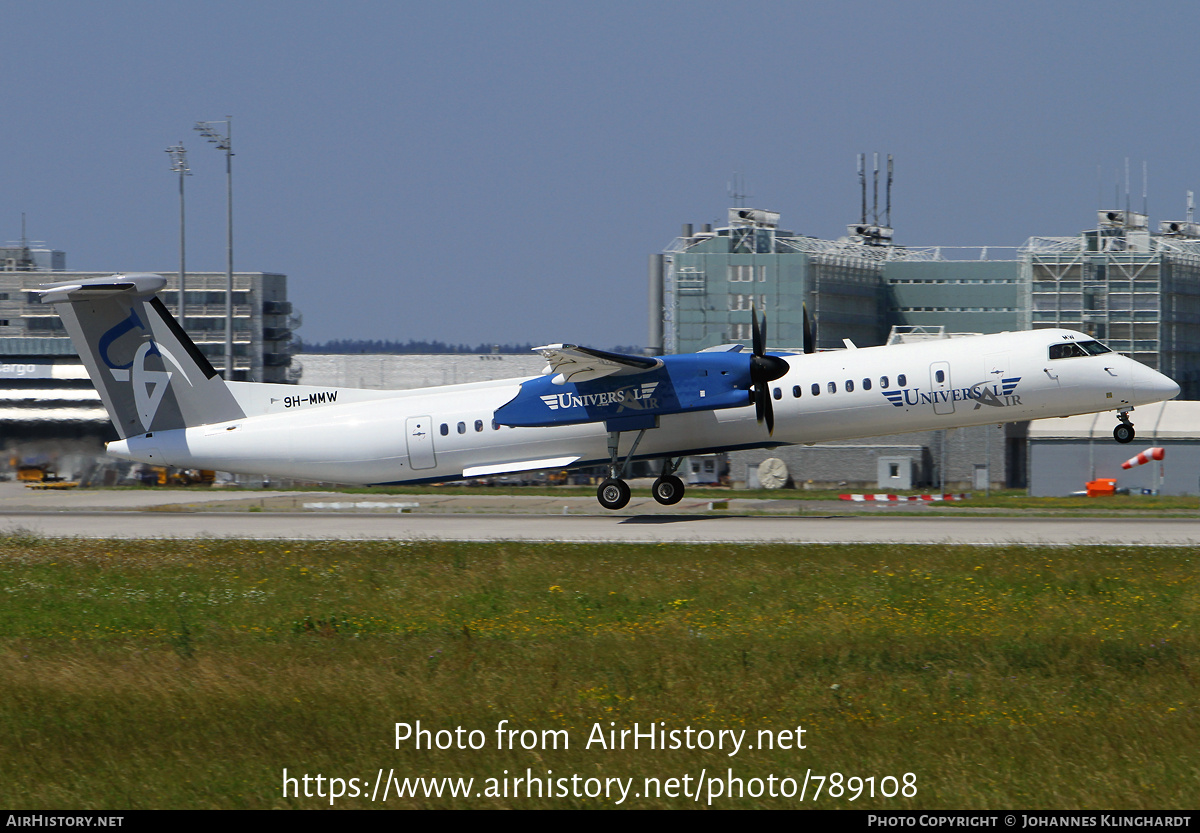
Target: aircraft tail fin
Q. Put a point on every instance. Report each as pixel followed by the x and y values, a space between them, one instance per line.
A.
pixel 149 373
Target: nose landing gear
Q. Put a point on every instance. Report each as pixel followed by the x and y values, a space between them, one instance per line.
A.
pixel 1124 432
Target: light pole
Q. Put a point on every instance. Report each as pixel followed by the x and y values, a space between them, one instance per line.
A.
pixel 179 165
pixel 225 143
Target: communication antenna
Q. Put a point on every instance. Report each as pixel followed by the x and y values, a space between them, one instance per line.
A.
pixel 1191 205
pixel 1145 210
pixel 888 219
pixel 736 190
pixel 1126 185
pixel 875 198
pixel 862 181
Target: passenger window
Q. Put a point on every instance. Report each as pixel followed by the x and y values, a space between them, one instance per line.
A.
pixel 849 386
pixel 479 425
pixel 866 384
pixel 445 429
pixel 816 389
pixel 495 425
pixel 795 391
pixel 883 382
pixel 902 380
pixel 777 393
pixel 940 376
pixel 462 428
pixel 833 387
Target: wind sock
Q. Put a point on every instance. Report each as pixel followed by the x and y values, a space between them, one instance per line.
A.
pixel 1146 456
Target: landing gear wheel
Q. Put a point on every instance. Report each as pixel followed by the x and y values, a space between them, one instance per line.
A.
pixel 1124 433
pixel 613 493
pixel 668 490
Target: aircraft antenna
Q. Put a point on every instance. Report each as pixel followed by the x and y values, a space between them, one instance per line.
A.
pixel 1191 205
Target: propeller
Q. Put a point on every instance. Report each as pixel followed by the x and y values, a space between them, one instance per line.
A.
pixel 764 369
pixel 809 347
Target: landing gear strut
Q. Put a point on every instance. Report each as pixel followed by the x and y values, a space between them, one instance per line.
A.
pixel 1124 432
pixel 614 491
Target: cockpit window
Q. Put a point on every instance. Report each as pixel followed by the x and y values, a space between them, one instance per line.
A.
pixel 1073 349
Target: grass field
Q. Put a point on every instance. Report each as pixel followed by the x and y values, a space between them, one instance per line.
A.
pixel 190 674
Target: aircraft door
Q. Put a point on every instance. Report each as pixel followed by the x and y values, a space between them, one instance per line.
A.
pixel 939 383
pixel 419 431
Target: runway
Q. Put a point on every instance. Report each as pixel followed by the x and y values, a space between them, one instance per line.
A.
pixel 690 528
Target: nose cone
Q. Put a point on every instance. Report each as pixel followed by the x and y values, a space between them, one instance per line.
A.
pixel 1151 386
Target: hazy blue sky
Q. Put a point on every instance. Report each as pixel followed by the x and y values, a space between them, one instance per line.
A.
pixel 500 171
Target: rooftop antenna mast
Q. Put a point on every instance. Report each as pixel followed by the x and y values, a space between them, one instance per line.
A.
pixel 736 190
pixel 1126 186
pixel 888 219
pixel 875 198
pixel 862 181
pixel 1145 209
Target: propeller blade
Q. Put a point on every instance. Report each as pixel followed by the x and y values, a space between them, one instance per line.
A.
pixel 758 331
pixel 764 369
pixel 809 347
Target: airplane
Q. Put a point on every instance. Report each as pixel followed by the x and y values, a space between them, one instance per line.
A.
pixel 171 408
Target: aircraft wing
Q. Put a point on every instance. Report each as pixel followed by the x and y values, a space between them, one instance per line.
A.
pixel 571 363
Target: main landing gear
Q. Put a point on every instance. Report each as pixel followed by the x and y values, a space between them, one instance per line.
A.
pixel 1124 432
pixel 614 491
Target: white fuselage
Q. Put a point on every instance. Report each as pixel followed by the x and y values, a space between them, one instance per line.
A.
pixel 372 437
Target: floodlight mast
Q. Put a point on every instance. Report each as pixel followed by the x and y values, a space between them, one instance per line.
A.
pixel 179 165
pixel 225 143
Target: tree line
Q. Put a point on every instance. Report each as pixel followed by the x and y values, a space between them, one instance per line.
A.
pixel 366 345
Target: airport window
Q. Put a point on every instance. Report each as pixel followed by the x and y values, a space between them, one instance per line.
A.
pixel 833 387
pixel 479 425
pixel 445 429
pixel 849 386
pixel 902 380
pixel 816 389
pixel 883 382
pixel 795 391
pixel 462 428
pixel 777 393
pixel 940 376
pixel 866 384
